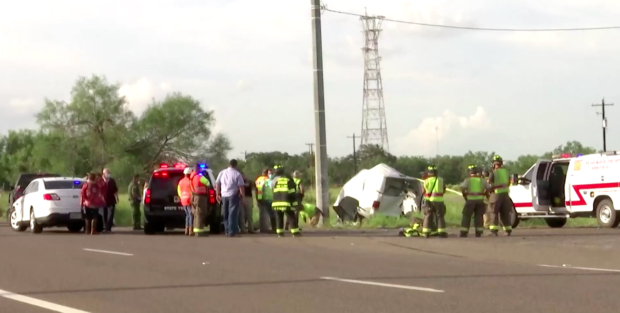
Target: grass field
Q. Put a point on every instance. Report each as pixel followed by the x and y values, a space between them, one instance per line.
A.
pixel 454 204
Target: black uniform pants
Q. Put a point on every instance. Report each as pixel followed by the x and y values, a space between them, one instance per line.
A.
pixel 477 209
pixel 290 214
pixel 434 211
pixel 501 210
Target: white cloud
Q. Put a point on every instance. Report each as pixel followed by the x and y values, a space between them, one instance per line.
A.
pixel 138 94
pixel 23 105
pixel 165 86
pixel 243 85
pixel 217 128
pixel 423 139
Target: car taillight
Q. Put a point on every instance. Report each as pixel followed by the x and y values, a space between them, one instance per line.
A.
pixel 147 196
pixel 51 197
pixel 375 205
pixel 211 196
pixel 164 174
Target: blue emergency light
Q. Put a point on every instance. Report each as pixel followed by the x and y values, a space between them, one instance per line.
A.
pixel 77 182
pixel 202 166
pixel 579 155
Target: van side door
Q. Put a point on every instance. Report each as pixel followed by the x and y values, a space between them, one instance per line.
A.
pixel 541 193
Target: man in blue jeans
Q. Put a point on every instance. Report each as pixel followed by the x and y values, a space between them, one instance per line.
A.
pixel 230 189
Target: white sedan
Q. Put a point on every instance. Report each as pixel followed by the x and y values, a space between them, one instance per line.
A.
pixel 49 202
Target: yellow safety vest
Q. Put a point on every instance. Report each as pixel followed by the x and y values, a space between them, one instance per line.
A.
pixel 436 194
pixel 475 191
pixel 283 192
pixel 501 181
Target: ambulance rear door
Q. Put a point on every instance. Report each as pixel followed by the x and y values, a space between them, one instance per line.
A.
pixel 541 193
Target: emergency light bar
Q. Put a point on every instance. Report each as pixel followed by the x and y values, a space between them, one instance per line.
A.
pixel 175 165
pixel 562 156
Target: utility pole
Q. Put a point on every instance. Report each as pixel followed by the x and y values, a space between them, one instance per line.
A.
pixel 320 139
pixel 354 153
pixel 603 105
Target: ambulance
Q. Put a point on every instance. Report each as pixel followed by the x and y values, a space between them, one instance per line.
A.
pixel 569 186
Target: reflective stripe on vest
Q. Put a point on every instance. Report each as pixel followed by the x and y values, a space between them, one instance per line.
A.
pixel 475 190
pixel 436 194
pixel 260 182
pixel 501 181
pixel 297 182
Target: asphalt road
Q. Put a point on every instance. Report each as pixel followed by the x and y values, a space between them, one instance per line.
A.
pixel 325 271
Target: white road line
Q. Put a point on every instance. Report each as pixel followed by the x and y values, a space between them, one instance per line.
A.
pixel 39 303
pixel 581 268
pixel 381 284
pixel 108 252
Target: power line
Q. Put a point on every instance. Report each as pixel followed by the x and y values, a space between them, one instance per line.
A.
pixel 477 28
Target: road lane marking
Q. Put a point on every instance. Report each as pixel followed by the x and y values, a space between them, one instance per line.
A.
pixel 581 268
pixel 39 303
pixel 363 282
pixel 108 252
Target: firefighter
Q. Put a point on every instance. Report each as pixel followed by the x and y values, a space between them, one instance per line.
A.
pixel 200 201
pixel 474 191
pixel 499 179
pixel 284 201
pixel 299 194
pixel 433 223
pixel 185 193
pixel 434 188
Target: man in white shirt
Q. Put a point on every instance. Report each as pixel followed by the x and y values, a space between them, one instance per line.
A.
pixel 230 189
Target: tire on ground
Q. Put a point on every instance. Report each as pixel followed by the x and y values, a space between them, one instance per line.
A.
pixel 606 214
pixel 35 228
pixel 20 226
pixel 556 222
pixel 215 221
pixel 149 228
pixel 75 227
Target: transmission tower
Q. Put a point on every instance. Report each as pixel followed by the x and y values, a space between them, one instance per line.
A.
pixel 374 126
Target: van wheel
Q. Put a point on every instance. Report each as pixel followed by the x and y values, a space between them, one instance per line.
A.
pixel 75 227
pixel 215 221
pixel 35 228
pixel 149 229
pixel 606 214
pixel 16 224
pixel 514 218
pixel 556 222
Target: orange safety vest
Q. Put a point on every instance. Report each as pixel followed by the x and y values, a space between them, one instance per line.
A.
pixel 185 190
pixel 197 187
pixel 260 181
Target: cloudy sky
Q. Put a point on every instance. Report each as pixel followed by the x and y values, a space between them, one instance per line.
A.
pixel 250 61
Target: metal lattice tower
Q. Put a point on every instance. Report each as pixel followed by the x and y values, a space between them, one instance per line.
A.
pixel 374 126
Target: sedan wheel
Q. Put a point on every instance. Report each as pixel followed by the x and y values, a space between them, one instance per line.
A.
pixel 34 226
pixel 16 225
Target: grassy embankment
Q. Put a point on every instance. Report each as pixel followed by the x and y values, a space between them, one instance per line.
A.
pixel 454 204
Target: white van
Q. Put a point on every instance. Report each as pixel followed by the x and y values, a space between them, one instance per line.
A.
pixel 569 187
pixel 380 189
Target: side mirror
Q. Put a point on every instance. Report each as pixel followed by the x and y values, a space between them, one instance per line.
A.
pixel 514 179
